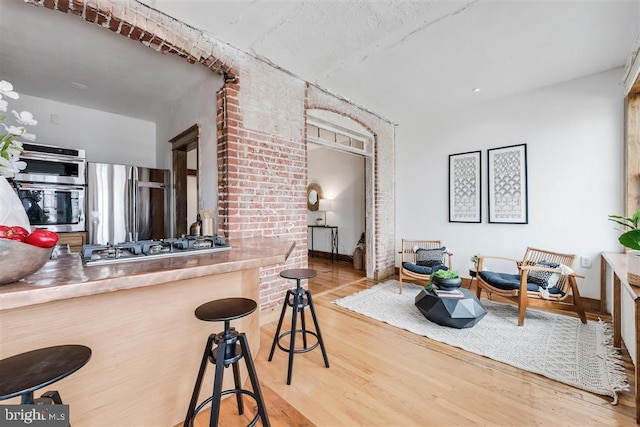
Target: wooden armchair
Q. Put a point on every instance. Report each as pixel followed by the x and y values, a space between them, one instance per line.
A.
pixel 408 258
pixel 527 287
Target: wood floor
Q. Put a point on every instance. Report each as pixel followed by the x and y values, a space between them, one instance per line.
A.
pixel 383 376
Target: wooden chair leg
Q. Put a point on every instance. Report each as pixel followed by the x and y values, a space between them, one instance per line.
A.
pixel 522 307
pixel 577 300
pixel 479 291
pixel 400 280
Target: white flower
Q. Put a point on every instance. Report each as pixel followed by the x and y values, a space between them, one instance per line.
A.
pixel 6 89
pixel 14 130
pixel 10 149
pixel 10 167
pixel 25 118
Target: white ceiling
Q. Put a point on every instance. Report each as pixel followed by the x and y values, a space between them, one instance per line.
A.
pixel 401 59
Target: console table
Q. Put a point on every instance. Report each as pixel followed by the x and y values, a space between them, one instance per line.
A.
pixel 617 264
pixel 334 238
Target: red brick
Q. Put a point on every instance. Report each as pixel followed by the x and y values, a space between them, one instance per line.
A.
pixel 90 14
pixel 136 33
pixel 63 5
pixel 114 24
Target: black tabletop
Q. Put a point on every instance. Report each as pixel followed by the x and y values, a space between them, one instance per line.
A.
pixel 30 371
pixel 298 273
pixel 225 309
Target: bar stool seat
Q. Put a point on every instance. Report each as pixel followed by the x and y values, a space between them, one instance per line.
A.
pixel 298 299
pixel 23 374
pixel 231 347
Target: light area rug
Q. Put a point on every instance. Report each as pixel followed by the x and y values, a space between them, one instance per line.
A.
pixel 555 346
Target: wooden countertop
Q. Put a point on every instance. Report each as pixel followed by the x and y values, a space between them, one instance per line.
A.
pixel 66 277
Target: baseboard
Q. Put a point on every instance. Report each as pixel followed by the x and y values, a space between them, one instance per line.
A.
pixel 327 255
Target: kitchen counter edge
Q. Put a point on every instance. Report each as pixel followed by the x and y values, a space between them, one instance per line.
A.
pixel 66 277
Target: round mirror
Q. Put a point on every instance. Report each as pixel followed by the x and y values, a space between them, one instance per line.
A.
pixel 314 194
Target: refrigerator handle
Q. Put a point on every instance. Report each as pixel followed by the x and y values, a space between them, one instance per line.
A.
pixel 134 203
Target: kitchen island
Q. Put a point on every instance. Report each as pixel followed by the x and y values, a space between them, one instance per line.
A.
pixel 138 319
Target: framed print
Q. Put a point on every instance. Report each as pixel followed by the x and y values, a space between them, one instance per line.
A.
pixel 464 187
pixel 508 184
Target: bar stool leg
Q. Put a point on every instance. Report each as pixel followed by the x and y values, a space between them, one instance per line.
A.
pixel 196 389
pixel 315 322
pixel 292 341
pixel 277 334
pixel 217 383
pixel 236 380
pixel 255 384
pixel 302 321
pixel 54 396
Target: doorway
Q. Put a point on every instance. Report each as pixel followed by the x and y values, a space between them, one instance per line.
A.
pixel 340 161
pixel 184 148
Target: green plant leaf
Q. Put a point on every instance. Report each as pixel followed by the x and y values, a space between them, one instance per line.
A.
pixel 630 239
pixel 446 274
pixel 627 222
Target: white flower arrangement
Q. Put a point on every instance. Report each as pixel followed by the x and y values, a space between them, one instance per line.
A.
pixel 10 148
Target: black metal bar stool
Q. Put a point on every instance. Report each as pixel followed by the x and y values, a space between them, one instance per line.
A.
pixel 231 347
pixel 298 299
pixel 23 374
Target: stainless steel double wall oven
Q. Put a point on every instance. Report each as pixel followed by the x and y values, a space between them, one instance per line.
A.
pixel 52 187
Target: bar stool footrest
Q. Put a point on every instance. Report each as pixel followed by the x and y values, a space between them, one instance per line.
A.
pixel 224 393
pixel 300 350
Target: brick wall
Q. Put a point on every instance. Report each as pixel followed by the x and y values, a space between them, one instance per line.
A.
pixel 261 156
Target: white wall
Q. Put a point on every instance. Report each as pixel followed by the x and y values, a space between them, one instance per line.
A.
pixel 196 106
pixel 341 176
pixel 106 137
pixel 574 137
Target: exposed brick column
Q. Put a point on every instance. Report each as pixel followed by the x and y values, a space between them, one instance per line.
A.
pixel 229 122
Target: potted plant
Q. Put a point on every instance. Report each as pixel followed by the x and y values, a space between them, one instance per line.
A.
pixel 630 239
pixel 445 279
pixel 474 260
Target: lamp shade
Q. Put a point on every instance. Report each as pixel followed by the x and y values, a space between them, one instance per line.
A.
pixel 324 205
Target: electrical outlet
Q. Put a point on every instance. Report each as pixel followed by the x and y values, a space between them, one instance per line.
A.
pixel 585 262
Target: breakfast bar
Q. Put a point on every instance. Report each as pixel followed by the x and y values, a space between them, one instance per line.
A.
pixel 138 319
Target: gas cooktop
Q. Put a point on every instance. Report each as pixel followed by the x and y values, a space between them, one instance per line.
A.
pixel 143 250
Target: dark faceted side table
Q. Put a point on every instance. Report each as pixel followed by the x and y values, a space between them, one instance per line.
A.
pixel 456 313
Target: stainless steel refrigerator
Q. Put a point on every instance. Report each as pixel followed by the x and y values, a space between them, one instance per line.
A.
pixel 127 203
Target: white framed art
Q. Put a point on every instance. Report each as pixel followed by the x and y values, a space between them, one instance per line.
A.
pixel 507 178
pixel 464 187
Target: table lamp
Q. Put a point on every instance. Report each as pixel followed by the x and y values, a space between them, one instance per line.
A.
pixel 324 206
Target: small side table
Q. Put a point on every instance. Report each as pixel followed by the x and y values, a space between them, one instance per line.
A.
pixel 334 238
pixel 473 273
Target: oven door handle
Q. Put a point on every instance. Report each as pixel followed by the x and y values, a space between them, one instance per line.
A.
pixel 51 158
pixel 42 186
